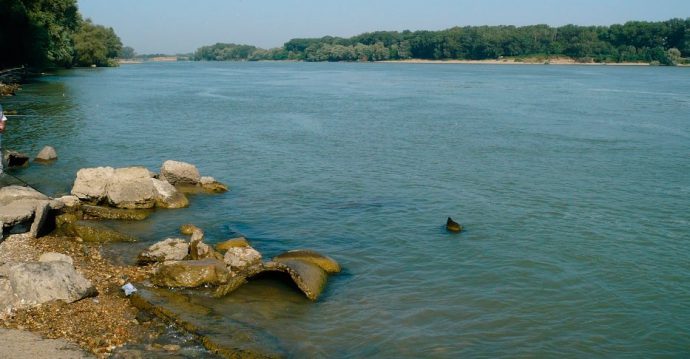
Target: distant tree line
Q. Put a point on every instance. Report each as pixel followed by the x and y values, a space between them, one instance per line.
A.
pixel 50 33
pixel 664 42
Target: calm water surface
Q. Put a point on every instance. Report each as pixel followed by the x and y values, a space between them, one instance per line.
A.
pixel 573 184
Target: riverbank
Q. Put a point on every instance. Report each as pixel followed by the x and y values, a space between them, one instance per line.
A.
pixel 10 80
pixel 98 325
pixel 527 61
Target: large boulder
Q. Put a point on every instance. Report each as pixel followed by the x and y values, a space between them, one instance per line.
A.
pixel 167 196
pixel 170 249
pixel 92 183
pixel 191 274
pixel 46 154
pixel 180 173
pixel 131 187
pixel 33 283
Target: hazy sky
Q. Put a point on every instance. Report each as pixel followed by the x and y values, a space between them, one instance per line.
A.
pixel 179 26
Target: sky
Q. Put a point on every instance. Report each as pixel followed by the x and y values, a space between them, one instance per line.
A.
pixel 182 26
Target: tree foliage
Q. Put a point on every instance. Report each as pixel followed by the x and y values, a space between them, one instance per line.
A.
pixel 665 42
pixel 45 33
pixel 95 45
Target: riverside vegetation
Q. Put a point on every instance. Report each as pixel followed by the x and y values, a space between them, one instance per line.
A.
pixel 664 43
pixel 52 33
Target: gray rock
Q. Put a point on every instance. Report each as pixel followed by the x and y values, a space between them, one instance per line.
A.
pixel 131 187
pixel 191 274
pixel 242 259
pixel 23 205
pixel 91 183
pixel 69 201
pixel 55 257
pixel 46 154
pixel 180 173
pixel 13 193
pixel 39 282
pixel 170 249
pixel 40 215
pixel 167 196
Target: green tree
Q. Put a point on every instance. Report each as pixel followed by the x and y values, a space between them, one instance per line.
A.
pixel 95 45
pixel 127 52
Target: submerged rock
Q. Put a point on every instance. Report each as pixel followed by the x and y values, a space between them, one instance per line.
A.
pixel 180 173
pixel 16 159
pixel 171 249
pixel 90 231
pixel 453 226
pixel 325 262
pixel 191 274
pixel 309 277
pixel 46 154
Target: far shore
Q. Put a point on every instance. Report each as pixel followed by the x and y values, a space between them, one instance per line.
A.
pixel 556 61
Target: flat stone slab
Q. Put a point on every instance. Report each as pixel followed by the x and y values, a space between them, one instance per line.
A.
pixel 23 344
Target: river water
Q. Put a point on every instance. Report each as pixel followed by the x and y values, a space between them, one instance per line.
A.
pixel 573 184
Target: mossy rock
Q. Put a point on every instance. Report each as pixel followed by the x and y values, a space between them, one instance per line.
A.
pixel 325 262
pixel 232 243
pixel 188 229
pixel 308 277
pixel 191 274
pixel 92 232
pixel 100 212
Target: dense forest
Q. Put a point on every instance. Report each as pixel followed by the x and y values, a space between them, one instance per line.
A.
pixel 664 42
pixel 49 33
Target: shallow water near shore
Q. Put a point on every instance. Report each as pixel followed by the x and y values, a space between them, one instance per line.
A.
pixel 572 182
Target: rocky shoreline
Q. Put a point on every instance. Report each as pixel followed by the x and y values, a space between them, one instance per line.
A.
pixel 100 308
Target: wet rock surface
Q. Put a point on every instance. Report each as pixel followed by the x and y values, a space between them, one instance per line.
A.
pixel 170 249
pixel 191 273
pixel 309 277
pixel 325 262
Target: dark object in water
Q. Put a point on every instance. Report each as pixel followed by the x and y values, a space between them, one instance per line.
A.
pixel 453 226
pixel 16 159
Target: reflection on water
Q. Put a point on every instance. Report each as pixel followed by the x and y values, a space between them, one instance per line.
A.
pixel 574 200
